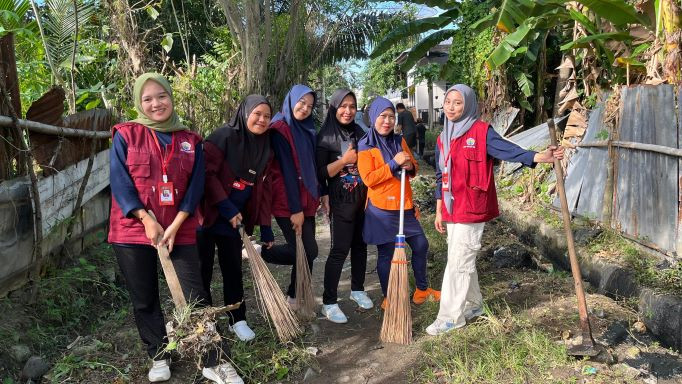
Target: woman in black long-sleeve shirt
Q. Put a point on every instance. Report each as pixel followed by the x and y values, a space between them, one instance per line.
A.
pixel 336 158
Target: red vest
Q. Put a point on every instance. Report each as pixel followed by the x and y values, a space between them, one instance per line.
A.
pixel 471 175
pixel 144 165
pixel 280 205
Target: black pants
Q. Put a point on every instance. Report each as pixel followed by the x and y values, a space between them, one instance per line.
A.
pixel 411 140
pixel 138 265
pixel 420 146
pixel 230 260
pixel 346 235
pixel 285 254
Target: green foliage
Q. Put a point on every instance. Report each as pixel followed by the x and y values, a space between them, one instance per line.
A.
pixel 206 99
pixel 382 73
pixel 470 47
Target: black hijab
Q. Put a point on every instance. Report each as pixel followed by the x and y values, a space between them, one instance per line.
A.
pixel 333 134
pixel 245 153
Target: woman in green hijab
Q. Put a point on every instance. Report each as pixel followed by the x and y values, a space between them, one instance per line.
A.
pixel 157 165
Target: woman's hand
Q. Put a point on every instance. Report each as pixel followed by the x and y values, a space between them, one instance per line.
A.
pixel 152 230
pixel 268 245
pixel 297 222
pixel 236 220
pixel 438 222
pixel 169 235
pixel 401 158
pixel 549 154
pixel 350 156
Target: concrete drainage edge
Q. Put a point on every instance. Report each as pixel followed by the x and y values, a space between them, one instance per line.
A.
pixel 662 313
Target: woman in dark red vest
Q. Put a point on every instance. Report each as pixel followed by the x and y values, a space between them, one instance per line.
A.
pixel 466 199
pixel 157 165
pixel 295 189
pixel 236 157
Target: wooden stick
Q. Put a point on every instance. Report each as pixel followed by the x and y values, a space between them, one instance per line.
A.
pixel 47 129
pixel 575 267
pixel 632 145
pixel 169 272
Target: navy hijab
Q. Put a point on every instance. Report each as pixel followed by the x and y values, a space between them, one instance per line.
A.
pixel 390 144
pixel 304 136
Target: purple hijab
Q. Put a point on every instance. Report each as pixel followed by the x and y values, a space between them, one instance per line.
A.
pixel 304 136
pixel 390 144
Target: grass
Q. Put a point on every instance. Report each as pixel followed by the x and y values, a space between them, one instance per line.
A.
pixel 490 352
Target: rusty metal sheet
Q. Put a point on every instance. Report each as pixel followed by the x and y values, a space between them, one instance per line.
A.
pixel 536 138
pixel 49 108
pixel 646 188
pixel 586 173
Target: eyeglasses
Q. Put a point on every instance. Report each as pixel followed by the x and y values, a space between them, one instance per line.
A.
pixel 387 117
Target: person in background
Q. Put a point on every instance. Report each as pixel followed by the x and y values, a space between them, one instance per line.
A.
pixel 345 203
pixel 406 126
pixel 466 199
pixel 295 188
pixel 382 154
pixel 237 155
pixel 154 156
pixel 421 137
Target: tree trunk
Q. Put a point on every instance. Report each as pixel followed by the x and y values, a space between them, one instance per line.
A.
pixel 540 114
pixel 672 25
pixel 564 75
pixel 8 150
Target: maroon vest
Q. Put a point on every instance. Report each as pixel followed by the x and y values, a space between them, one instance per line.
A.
pixel 471 175
pixel 280 205
pixel 144 165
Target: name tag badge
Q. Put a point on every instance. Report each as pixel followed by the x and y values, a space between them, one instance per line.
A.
pixel 238 185
pixel 166 196
pixel 445 179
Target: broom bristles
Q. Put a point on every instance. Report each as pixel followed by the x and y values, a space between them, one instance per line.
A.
pixel 397 323
pixel 269 295
pixel 305 301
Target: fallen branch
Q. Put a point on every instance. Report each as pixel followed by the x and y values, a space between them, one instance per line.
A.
pixel 632 145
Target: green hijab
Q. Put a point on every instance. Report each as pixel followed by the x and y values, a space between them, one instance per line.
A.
pixel 173 123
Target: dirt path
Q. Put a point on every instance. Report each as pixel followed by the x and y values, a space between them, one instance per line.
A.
pixel 352 352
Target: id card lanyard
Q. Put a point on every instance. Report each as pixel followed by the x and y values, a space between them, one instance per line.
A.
pixel 166 196
pixel 445 180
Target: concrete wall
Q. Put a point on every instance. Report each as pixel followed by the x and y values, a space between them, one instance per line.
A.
pixel 18 264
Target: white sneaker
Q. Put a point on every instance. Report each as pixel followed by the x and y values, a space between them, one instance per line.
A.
pixel 362 298
pixel 160 371
pixel 440 327
pixel 255 245
pixel 334 313
pixel 473 313
pixel 292 303
pixel 222 374
pixel 242 330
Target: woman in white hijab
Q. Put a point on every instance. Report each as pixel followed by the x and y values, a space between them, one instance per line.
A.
pixel 466 199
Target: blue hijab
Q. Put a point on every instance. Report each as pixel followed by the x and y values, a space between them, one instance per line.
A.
pixel 390 144
pixel 304 136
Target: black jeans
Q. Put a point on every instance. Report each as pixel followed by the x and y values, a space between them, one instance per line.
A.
pixel 138 264
pixel 230 260
pixel 285 254
pixel 346 224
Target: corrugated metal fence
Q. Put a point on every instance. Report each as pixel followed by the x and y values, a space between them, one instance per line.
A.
pixel 646 184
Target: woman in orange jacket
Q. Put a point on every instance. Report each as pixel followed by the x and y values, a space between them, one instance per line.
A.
pixel 381 156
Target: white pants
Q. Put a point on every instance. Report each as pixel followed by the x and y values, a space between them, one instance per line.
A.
pixel 460 292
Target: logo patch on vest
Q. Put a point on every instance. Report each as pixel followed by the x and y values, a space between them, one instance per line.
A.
pixel 185 146
pixel 470 143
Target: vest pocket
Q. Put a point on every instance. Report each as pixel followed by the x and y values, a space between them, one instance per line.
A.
pixel 476 185
pixel 138 164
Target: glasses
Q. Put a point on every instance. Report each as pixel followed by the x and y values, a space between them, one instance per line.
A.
pixel 387 117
